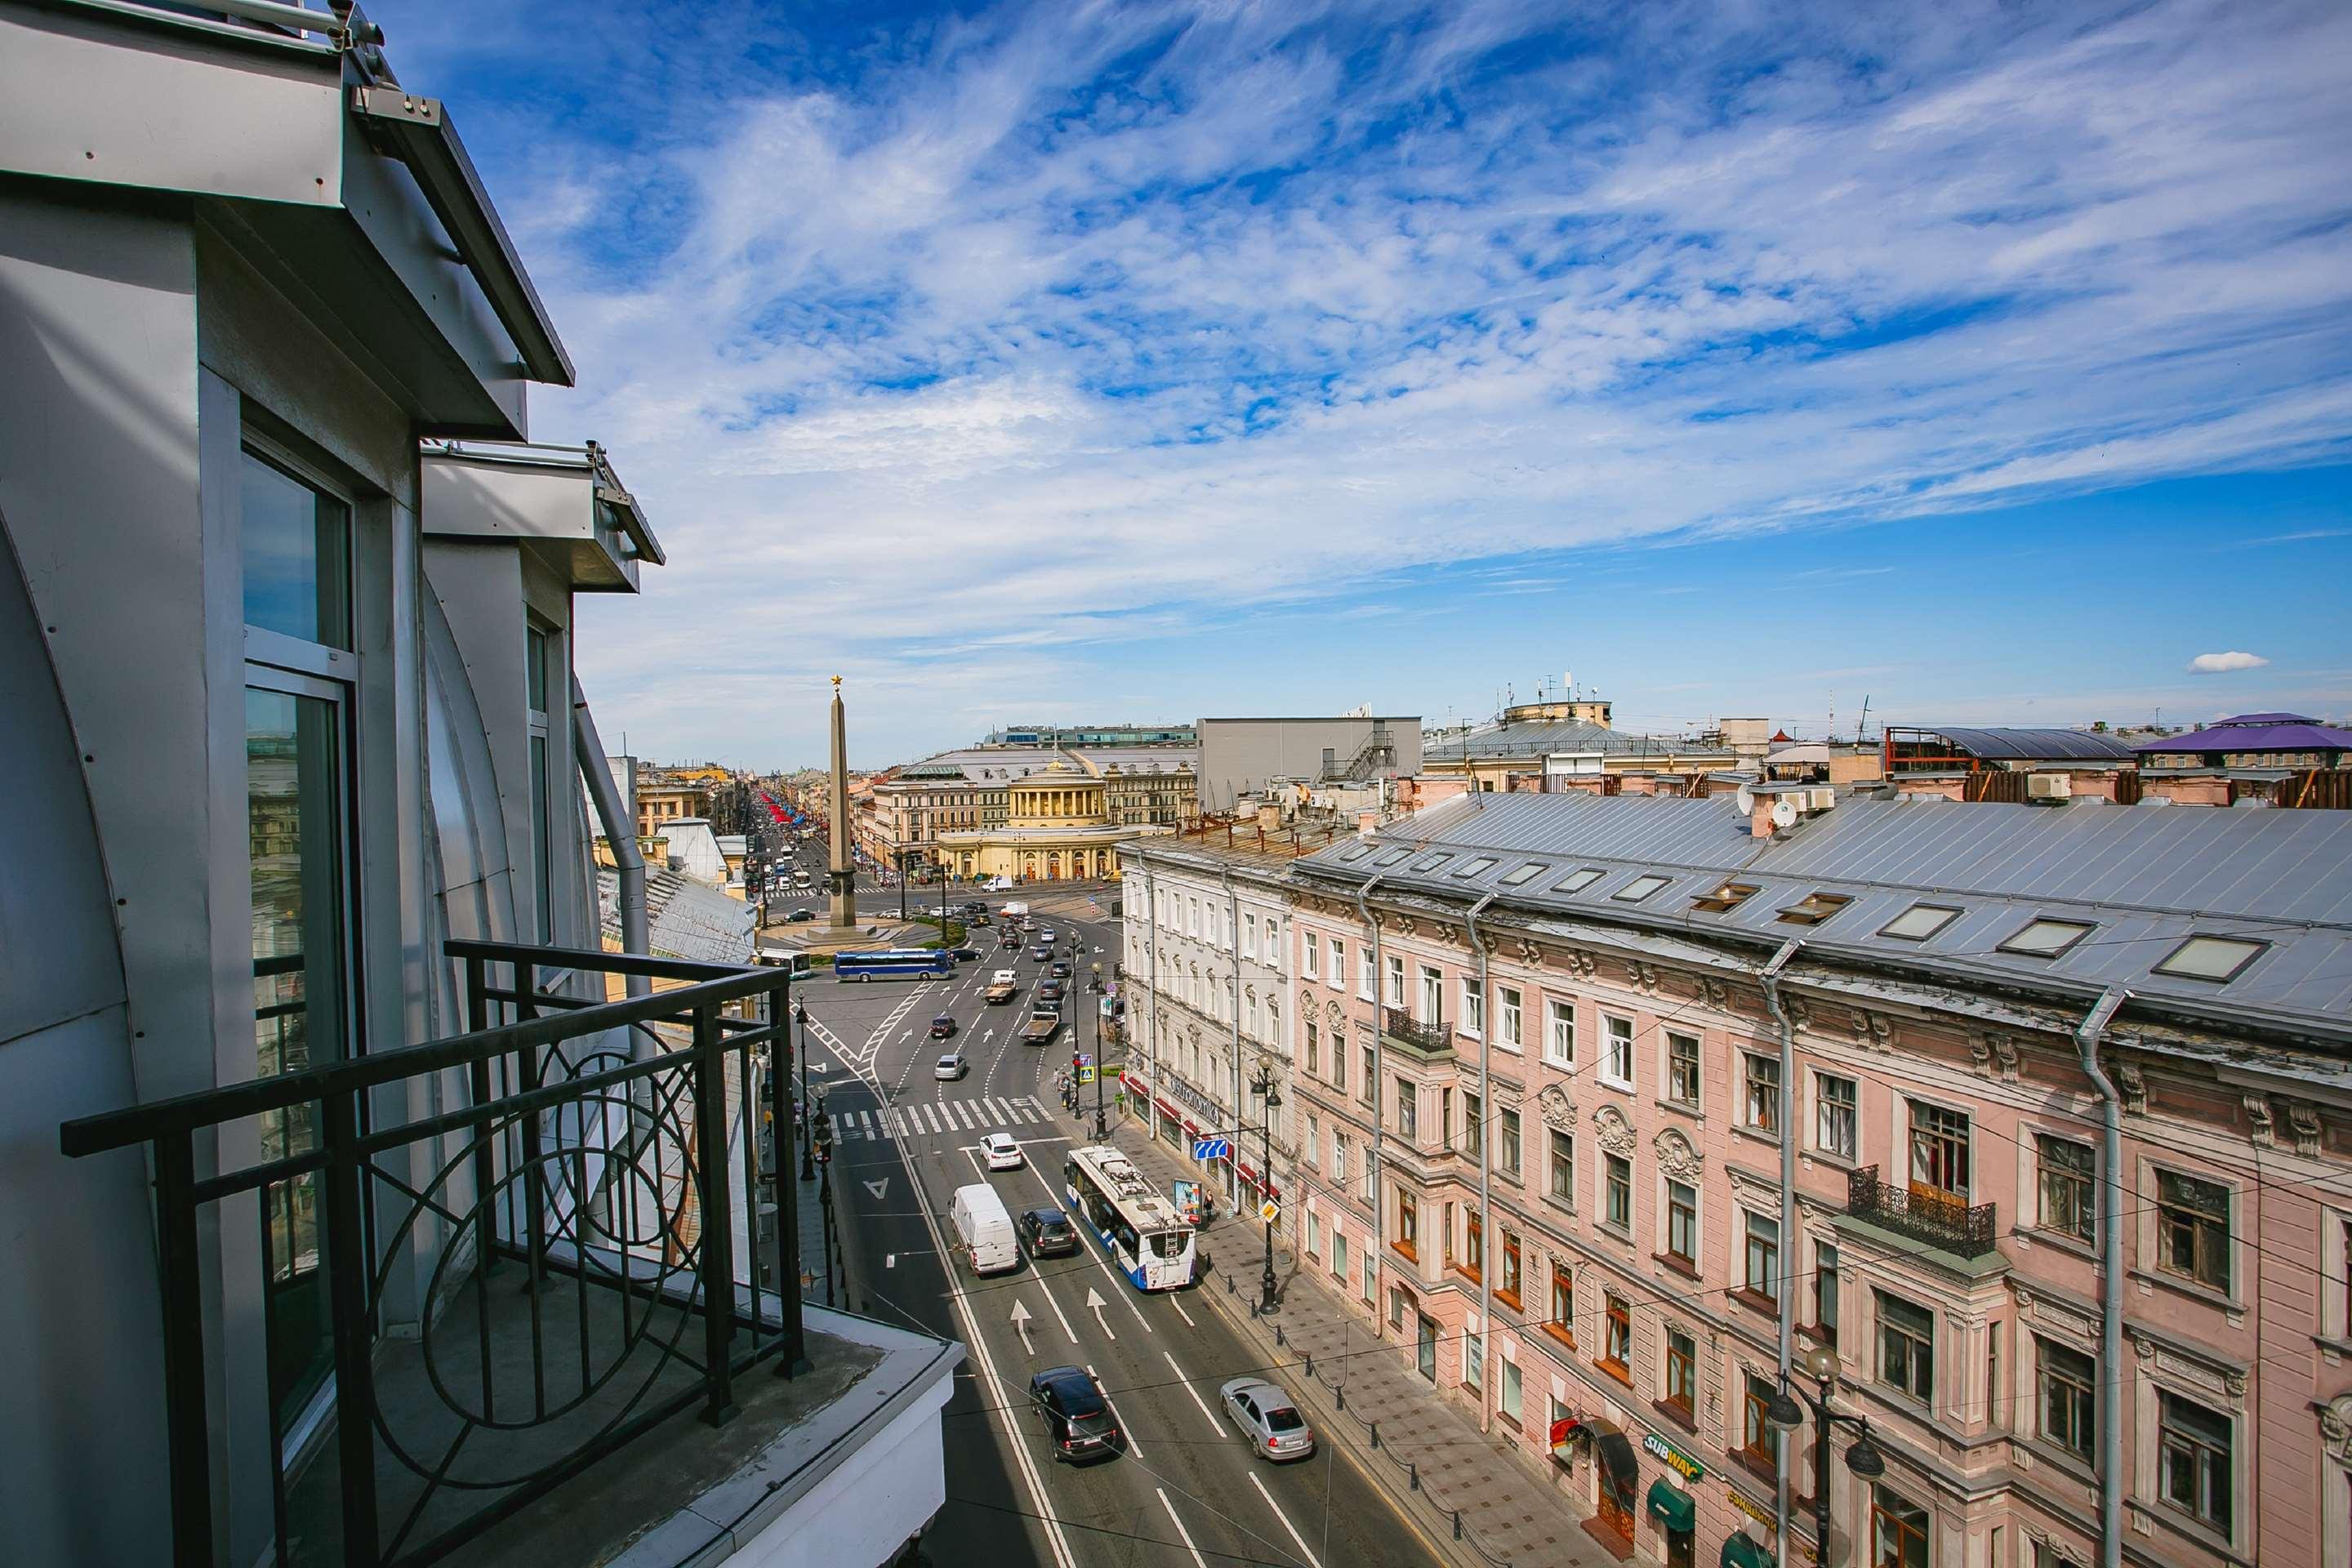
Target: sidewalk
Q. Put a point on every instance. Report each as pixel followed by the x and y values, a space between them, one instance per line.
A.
pixel 1424 1448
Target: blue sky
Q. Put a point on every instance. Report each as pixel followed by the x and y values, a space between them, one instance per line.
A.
pixel 1088 362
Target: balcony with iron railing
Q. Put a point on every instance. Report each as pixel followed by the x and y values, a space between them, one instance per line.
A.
pixel 1921 1213
pixel 505 1259
pixel 1427 1040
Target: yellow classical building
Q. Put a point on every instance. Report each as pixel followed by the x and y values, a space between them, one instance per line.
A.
pixel 1058 827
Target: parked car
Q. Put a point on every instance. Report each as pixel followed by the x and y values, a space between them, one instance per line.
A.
pixel 943 1028
pixel 1078 1421
pixel 1047 1233
pixel 1267 1418
pixel 1001 1152
pixel 952 1065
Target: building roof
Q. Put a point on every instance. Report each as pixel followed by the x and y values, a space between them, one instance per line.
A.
pixel 992 764
pixel 1539 737
pixel 2027 745
pixel 688 919
pixel 2144 879
pixel 2256 732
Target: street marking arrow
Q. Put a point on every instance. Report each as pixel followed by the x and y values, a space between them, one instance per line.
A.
pixel 1020 1322
pixel 1093 1300
pixel 879 1188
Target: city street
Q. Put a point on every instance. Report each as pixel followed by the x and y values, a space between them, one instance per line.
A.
pixel 1187 1489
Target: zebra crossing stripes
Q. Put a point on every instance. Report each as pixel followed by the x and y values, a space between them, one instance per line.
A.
pixel 930 1119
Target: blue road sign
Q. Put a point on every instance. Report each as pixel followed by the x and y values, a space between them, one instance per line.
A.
pixel 1212 1148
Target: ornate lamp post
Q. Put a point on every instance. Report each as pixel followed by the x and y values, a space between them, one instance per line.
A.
pixel 1862 1460
pixel 1093 992
pixel 1266 1091
pixel 825 1194
pixel 808 1171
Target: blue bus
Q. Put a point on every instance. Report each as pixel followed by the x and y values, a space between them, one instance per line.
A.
pixel 894 963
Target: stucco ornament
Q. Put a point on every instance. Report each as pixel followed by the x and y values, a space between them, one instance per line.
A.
pixel 1306 1002
pixel 1644 974
pixel 2336 1428
pixel 1579 964
pixel 1716 992
pixel 1333 1012
pixel 1558 1110
pixel 1616 1135
pixel 2303 1116
pixel 1530 953
pixel 1676 1158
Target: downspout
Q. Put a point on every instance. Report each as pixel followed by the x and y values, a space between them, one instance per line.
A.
pixel 1151 1024
pixel 1769 978
pixel 1373 1155
pixel 621 836
pixel 1233 942
pixel 2087 1037
pixel 1489 1233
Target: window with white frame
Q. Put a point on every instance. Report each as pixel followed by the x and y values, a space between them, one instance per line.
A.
pixel 1249 936
pixel 1310 955
pixel 1759 1107
pixel 1396 980
pixel 1760 1258
pixel 1314 1141
pixel 1836 1103
pixel 1560 1033
pixel 1617 1051
pixel 1432 995
pixel 1338 1155
pixel 2196 1453
pixel 1274 943
pixel 1474 1008
pixel 1273 1023
pixel 1507 1018
pixel 2066 1172
pixel 2192 1229
pixel 1682 1071
pixel 1562 1175
pixel 1336 972
pixel 1364 972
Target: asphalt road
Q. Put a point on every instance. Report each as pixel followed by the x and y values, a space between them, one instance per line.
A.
pixel 1187 1491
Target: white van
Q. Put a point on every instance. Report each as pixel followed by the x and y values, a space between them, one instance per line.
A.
pixel 983 1229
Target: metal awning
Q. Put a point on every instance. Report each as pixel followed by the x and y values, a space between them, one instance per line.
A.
pixel 1741 1549
pixel 1674 1508
pixel 1620 1466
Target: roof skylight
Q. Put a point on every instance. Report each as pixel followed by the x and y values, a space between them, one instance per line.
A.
pixel 1471 868
pixel 2214 958
pixel 2043 937
pixel 1814 907
pixel 1920 921
pixel 1577 881
pixel 1640 888
pixel 1526 873
pixel 1392 857
pixel 1359 852
pixel 1729 896
pixel 1432 862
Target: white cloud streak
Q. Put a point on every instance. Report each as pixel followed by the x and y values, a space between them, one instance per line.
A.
pixel 2225 663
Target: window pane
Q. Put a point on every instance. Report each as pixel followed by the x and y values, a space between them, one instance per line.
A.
pixel 542 867
pixel 294 850
pixel 295 542
pixel 535 645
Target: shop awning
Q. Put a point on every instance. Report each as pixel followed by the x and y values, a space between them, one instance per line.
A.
pixel 1619 1465
pixel 1674 1508
pixel 1740 1551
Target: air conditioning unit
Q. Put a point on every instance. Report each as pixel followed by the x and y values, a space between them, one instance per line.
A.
pixel 1821 798
pixel 2049 786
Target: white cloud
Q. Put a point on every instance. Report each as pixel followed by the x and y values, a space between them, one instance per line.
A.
pixel 2224 663
pixel 1154 312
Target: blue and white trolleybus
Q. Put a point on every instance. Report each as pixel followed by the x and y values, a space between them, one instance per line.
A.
pixel 894 963
pixel 1139 1229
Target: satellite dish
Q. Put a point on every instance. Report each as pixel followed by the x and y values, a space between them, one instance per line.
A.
pixel 1746 797
pixel 1784 813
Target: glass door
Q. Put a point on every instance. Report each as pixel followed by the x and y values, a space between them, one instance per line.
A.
pixel 294 816
pixel 1425 1345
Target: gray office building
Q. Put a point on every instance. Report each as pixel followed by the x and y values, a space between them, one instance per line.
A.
pixel 1239 755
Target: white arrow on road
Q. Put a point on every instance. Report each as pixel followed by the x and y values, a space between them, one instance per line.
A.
pixel 1093 1300
pixel 1020 1322
pixel 879 1188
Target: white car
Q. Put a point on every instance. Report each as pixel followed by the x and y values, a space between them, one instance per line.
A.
pixel 1003 1153
pixel 952 1065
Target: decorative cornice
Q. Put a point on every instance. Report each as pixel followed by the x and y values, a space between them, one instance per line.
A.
pixel 1616 1135
pixel 1558 1110
pixel 1676 1158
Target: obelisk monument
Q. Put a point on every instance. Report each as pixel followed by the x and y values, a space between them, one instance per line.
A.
pixel 843 880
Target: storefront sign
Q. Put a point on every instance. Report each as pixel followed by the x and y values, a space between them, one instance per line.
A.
pixel 1762 1516
pixel 1674 1459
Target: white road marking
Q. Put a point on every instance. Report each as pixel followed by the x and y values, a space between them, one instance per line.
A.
pixel 879 1188
pixel 1179 1523
pixel 1127 1427
pixel 1301 1540
pixel 1094 1300
pixel 1182 1313
pixel 1206 1414
pixel 1020 1322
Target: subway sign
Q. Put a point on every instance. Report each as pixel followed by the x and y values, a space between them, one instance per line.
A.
pixel 1674 1459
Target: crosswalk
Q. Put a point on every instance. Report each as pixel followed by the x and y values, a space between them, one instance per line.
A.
pixel 932 1118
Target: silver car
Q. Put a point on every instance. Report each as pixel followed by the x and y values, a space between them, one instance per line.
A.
pixel 1267 1418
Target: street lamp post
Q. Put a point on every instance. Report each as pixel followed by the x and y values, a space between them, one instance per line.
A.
pixel 1862 1460
pixel 824 1195
pixel 808 1171
pixel 1094 991
pixel 1272 1097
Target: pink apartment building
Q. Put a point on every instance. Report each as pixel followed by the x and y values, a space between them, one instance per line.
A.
pixel 1619 1106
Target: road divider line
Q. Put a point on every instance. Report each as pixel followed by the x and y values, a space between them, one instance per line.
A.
pixel 1182 1313
pixel 1174 1520
pixel 1036 1273
pixel 1125 1427
pixel 1207 1414
pixel 1301 1540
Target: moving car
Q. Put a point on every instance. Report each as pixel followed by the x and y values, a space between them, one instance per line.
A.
pixel 797 916
pixel 1048 934
pixel 1060 970
pixel 943 1028
pixel 1002 1152
pixel 1045 1023
pixel 1078 1421
pixel 1267 1418
pixel 983 1231
pixel 1041 954
pixel 1049 991
pixel 1047 1233
pixel 978 919
pixel 966 954
pixel 952 1065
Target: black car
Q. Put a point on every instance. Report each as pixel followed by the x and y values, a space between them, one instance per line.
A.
pixel 943 1028
pixel 1047 1233
pixel 1060 970
pixel 966 954
pixel 1078 1420
pixel 797 916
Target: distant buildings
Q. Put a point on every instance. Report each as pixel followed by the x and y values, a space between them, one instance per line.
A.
pixel 2251 741
pixel 1535 741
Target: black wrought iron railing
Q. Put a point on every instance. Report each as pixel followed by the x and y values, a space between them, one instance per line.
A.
pixel 1922 1214
pixel 526 1246
pixel 1403 1027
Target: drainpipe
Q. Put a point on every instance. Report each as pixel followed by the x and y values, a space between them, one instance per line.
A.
pixel 2087 1037
pixel 1151 1025
pixel 621 833
pixel 1769 978
pixel 1373 1154
pixel 1490 1234
pixel 1233 942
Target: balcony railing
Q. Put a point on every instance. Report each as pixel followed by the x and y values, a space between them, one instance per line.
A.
pixel 494 1259
pixel 1429 1038
pixel 1920 1214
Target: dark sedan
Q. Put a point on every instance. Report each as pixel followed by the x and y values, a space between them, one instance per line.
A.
pixel 1078 1421
pixel 1060 970
pixel 1047 1233
pixel 1041 954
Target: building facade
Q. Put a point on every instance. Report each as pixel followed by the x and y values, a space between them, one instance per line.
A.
pixel 1535 745
pixel 1209 1014
pixel 979 808
pixel 1702 1094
